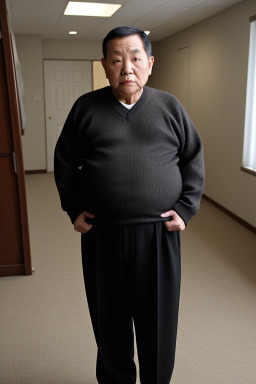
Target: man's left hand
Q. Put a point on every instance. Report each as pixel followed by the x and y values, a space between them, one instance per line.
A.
pixel 176 224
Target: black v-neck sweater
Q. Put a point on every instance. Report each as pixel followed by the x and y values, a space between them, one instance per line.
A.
pixel 129 166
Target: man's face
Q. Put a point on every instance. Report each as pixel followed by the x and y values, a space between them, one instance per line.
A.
pixel 127 67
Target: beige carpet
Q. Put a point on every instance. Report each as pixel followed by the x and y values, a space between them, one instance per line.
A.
pixel 46 335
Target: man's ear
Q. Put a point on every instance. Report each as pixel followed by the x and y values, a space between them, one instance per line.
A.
pixel 103 62
pixel 151 62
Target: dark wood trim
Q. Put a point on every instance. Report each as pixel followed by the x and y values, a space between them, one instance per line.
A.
pixel 16 131
pixel 35 171
pixel 231 214
pixel 248 170
pixel 252 18
pixel 12 270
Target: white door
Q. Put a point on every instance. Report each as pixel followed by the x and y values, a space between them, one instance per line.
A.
pixel 64 81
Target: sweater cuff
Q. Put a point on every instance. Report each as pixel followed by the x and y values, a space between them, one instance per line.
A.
pixel 185 212
pixel 74 213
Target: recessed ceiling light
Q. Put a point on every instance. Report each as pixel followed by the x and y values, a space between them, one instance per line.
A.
pixel 76 8
pixel 147 32
pixel 73 32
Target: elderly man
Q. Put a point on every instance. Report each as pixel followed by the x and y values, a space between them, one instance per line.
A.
pixel 129 171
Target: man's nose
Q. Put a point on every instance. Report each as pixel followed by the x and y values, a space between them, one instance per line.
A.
pixel 127 68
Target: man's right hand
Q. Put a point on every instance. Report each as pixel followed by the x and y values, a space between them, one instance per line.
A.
pixel 80 225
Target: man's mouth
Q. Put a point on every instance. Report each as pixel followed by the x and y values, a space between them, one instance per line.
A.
pixel 127 82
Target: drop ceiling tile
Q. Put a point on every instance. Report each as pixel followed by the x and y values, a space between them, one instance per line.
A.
pixel 160 16
pixel 33 26
pixel 220 3
pixel 147 2
pixel 104 1
pixel 40 6
pixel 134 11
pixel 82 24
pixel 101 31
pixel 129 15
pixel 185 3
pixel 183 21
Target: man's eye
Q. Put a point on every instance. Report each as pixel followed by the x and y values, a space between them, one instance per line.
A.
pixel 136 59
pixel 117 61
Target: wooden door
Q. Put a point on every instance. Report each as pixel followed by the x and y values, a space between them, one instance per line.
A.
pixel 65 81
pixel 14 238
pixel 10 226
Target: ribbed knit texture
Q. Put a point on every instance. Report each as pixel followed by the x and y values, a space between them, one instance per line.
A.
pixel 135 164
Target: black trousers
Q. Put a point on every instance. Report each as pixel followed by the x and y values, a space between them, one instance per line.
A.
pixel 132 279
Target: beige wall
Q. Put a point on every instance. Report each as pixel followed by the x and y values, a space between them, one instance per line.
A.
pixel 32 50
pixel 217 91
pixel 68 49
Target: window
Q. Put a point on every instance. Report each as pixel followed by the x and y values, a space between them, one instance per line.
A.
pixel 249 152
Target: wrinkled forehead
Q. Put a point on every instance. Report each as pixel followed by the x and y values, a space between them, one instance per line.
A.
pixel 130 44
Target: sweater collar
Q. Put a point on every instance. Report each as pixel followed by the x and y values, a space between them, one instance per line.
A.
pixel 128 114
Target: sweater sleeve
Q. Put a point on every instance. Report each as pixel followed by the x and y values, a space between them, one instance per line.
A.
pixel 66 163
pixel 191 165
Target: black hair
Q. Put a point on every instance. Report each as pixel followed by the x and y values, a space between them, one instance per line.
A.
pixel 126 31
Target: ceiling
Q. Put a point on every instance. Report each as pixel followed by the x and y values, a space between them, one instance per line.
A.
pixel 162 17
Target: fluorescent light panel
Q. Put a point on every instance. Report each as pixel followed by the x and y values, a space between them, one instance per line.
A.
pixel 76 8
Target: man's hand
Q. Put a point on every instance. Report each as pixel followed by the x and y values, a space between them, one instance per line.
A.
pixel 80 225
pixel 176 224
